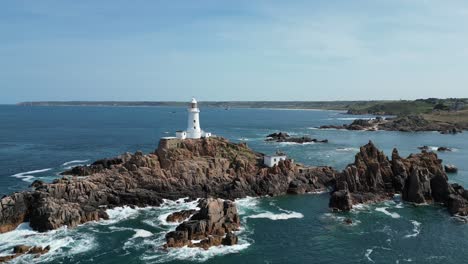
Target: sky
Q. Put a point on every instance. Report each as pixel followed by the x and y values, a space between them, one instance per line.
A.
pixel 232 50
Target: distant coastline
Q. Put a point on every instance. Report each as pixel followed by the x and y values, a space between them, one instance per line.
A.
pixel 373 107
pixel 284 105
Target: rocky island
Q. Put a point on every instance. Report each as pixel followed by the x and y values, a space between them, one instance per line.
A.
pixel 215 167
pixel 285 137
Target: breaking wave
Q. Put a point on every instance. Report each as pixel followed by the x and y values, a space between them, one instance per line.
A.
pixel 384 210
pixel 74 162
pixel 62 242
pixel 195 254
pixel 416 229
pixel 27 176
pixel 348 149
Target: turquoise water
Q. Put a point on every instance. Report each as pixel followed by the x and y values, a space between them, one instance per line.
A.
pixel 39 142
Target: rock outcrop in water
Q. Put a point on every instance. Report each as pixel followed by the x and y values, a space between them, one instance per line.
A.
pixel 419 178
pixel 212 225
pixel 285 137
pixel 211 167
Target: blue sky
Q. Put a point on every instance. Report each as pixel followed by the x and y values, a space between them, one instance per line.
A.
pixel 233 50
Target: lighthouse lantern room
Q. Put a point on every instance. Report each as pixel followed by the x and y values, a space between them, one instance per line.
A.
pixel 193 123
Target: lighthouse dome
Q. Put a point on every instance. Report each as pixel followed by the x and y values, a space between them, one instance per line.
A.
pixel 193 103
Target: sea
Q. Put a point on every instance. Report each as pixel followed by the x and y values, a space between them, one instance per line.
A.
pixel 40 142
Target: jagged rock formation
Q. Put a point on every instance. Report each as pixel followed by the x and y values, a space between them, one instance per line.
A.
pixel 213 225
pixel 285 137
pixel 214 167
pixel 420 178
pixel 211 167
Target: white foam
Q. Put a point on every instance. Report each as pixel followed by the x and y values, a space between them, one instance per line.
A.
pixel 280 216
pixel 384 210
pixel 416 229
pixel 195 254
pixel 73 162
pixel 247 204
pixel 62 242
pixel 347 149
pixel 360 206
pixel 120 213
pixel 141 233
pixel 295 143
pixel 399 205
pixel 368 253
pixel 27 176
pixel 31 172
pixel 168 207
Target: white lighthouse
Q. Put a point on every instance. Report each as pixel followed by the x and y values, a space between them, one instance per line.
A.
pixel 193 123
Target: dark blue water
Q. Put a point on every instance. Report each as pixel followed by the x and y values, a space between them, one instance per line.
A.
pixel 39 142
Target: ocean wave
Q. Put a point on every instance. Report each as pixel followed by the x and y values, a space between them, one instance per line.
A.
pixel 416 229
pixel 195 254
pixel 249 208
pixel 62 242
pixel 247 205
pixel 159 214
pixel 347 149
pixel 384 210
pixel 74 162
pixel 368 253
pixel 27 176
pixel 118 214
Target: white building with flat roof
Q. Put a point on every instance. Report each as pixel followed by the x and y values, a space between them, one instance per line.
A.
pixel 273 160
pixel 193 124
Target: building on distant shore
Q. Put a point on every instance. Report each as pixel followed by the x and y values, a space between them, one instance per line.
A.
pixel 193 130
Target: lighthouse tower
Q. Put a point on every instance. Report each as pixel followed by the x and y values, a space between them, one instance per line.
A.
pixel 193 122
